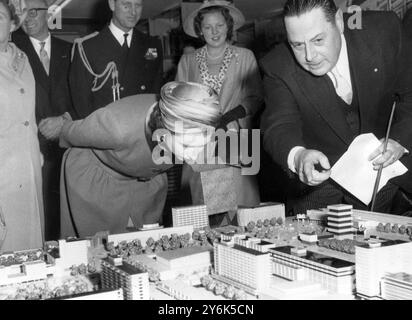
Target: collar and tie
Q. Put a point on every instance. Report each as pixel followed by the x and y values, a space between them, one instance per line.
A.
pixel 342 86
pixel 125 44
pixel 44 57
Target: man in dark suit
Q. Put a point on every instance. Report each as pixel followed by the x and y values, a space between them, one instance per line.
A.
pixel 139 60
pixel 330 84
pixel 49 58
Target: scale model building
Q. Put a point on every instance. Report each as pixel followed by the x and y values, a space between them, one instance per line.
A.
pixel 335 275
pixel 340 221
pixel 119 274
pixel 195 216
pixel 266 210
pixel 244 261
pixel 374 261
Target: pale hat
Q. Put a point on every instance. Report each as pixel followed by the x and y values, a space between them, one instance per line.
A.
pixel 195 105
pixel 237 15
pixel 21 11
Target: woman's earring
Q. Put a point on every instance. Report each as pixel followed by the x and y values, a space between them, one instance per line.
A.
pixel 162 138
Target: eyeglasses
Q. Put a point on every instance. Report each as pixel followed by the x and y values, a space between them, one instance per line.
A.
pixel 33 12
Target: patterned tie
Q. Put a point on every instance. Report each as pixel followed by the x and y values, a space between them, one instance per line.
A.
pixel 342 87
pixel 44 57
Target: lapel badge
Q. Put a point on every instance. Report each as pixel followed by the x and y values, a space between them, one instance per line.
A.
pixel 376 70
pixel 151 54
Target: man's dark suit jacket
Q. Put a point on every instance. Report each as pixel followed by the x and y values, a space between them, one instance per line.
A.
pixel 141 72
pixel 52 99
pixel 302 109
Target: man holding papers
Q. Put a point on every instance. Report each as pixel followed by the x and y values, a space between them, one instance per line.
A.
pixel 337 79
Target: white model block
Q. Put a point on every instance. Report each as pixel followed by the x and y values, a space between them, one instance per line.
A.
pixel 262 212
pixel 195 216
pixel 106 295
pixel 185 257
pixel 340 208
pixel 133 281
pixel 373 263
pixel 246 266
pixel 310 238
pixel 73 252
pixel 335 275
pixel 181 291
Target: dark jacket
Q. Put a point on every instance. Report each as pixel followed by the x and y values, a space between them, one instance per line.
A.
pixel 302 109
pixel 140 72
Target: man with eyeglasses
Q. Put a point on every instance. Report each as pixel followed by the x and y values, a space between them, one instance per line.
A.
pixel 138 58
pixel 49 58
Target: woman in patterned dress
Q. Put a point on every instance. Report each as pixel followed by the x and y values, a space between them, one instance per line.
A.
pixel 232 72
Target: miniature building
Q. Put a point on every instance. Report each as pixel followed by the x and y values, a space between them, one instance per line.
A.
pixel 134 282
pixel 397 286
pixel 101 295
pixel 340 221
pixel 181 291
pixel 185 257
pixel 333 274
pixel 73 253
pixel 267 210
pixel 317 216
pixel 25 272
pixel 244 264
pixel 372 263
pixel 195 216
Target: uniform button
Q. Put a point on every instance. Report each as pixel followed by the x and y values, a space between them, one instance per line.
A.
pixel 143 87
pixel 122 88
pixel 22 91
pixel 26 123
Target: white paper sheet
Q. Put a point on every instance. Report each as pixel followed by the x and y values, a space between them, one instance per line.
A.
pixel 355 173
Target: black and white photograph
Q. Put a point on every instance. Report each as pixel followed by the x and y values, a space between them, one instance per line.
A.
pixel 226 152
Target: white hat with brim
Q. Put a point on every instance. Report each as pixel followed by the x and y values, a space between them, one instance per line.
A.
pixel 238 17
pixel 21 12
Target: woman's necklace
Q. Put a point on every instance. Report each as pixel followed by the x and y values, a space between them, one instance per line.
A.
pixel 215 57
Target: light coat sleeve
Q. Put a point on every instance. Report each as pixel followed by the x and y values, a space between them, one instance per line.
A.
pixel 252 87
pixel 183 69
pixel 100 130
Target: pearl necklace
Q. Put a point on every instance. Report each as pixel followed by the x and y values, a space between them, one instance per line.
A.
pixel 215 57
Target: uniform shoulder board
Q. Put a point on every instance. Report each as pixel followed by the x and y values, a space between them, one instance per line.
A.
pixel 79 41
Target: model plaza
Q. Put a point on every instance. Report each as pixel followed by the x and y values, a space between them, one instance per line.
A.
pixel 259 259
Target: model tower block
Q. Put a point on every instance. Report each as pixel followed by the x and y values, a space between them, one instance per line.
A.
pixel 195 216
pixel 247 267
pixel 340 221
pixel 266 210
pixel 373 262
pixel 397 286
pixel 133 281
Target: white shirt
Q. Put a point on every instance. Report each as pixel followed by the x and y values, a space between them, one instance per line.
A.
pixel 119 34
pixel 342 65
pixel 37 45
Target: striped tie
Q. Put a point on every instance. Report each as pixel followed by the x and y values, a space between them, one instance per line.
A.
pixel 44 57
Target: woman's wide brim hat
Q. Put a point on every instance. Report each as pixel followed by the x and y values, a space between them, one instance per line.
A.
pixel 21 11
pixel 238 17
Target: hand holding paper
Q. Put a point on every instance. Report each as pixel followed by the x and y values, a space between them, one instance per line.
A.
pixel 355 172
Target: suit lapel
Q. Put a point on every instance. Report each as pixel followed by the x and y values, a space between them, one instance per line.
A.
pixel 364 70
pixel 321 95
pixel 36 65
pixel 58 55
